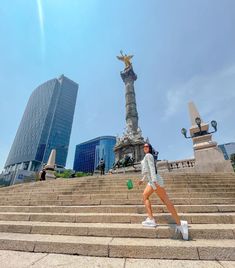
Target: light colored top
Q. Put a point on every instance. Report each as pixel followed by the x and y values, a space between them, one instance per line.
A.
pixel 149 171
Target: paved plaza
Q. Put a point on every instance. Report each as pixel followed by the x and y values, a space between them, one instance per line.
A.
pixel 12 259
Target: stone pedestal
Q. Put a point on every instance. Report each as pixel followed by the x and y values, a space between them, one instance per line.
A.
pixel 50 166
pixel 163 166
pixel 131 147
pixel 208 156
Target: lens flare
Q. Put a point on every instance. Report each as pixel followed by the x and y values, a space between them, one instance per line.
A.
pixel 41 24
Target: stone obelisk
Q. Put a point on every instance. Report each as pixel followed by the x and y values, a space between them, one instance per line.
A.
pixel 50 166
pixel 208 156
pixel 131 142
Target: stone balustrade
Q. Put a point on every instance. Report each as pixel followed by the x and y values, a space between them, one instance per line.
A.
pixel 180 164
pixel 185 165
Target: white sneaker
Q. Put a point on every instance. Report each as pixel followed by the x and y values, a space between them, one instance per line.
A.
pixel 147 219
pixel 149 223
pixel 183 229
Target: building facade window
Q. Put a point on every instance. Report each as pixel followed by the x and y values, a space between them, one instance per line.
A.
pixel 46 124
pixel 89 154
pixel 228 149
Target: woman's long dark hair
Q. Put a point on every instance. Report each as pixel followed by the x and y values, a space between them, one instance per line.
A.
pixel 152 152
pixel 150 147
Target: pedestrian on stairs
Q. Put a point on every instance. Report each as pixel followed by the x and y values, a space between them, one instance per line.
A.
pixel 42 175
pixel 156 184
pixel 102 166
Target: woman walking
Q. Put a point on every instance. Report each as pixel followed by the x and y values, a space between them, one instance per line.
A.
pixel 156 184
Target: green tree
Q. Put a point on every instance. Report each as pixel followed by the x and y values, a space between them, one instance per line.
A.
pixel 82 174
pixel 232 158
pixel 67 173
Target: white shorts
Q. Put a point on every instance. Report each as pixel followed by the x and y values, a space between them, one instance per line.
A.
pixel 152 184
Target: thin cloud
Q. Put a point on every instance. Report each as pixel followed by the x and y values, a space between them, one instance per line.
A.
pixel 213 93
pixel 41 24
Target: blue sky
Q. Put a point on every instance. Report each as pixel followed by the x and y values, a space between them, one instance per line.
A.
pixel 183 50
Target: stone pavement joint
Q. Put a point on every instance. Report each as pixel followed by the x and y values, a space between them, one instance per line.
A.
pixel 46 254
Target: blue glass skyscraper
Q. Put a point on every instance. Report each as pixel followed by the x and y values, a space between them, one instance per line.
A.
pixel 228 149
pixel 88 154
pixel 46 125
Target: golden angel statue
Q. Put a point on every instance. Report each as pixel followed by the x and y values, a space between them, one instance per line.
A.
pixel 126 59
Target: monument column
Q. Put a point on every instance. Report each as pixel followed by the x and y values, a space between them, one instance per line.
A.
pixel 129 77
pixel 131 143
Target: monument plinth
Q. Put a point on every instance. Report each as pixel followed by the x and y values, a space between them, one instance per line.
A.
pixel 50 166
pixel 131 143
pixel 208 156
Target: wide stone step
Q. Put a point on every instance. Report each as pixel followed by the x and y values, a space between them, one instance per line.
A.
pixel 173 177
pixel 168 189
pixel 66 184
pixel 56 185
pixel 87 202
pixel 173 189
pixel 130 195
pixel 194 201
pixel 121 181
pixel 141 189
pixel 167 184
pixel 161 218
pixel 140 209
pixel 113 183
pixel 122 188
pixel 117 196
pixel 196 231
pixel 127 196
pixel 121 247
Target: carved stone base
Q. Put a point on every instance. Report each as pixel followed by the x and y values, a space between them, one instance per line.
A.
pixel 131 169
pixel 50 175
pixel 133 148
pixel 211 160
pixel 208 157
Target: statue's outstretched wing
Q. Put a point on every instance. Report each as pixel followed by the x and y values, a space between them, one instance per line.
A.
pixel 120 58
pixel 130 57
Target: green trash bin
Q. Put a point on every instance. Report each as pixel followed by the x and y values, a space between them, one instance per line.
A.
pixel 129 184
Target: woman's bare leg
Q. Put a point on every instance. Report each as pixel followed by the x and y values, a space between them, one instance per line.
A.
pixel 161 192
pixel 146 194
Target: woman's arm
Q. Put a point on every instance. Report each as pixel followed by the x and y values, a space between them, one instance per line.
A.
pixel 142 180
pixel 151 164
pixel 144 177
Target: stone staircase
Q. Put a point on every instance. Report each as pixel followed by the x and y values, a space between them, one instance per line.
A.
pixel 98 216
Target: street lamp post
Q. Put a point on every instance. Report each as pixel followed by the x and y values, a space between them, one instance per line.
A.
pixel 198 121
pixel 208 156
